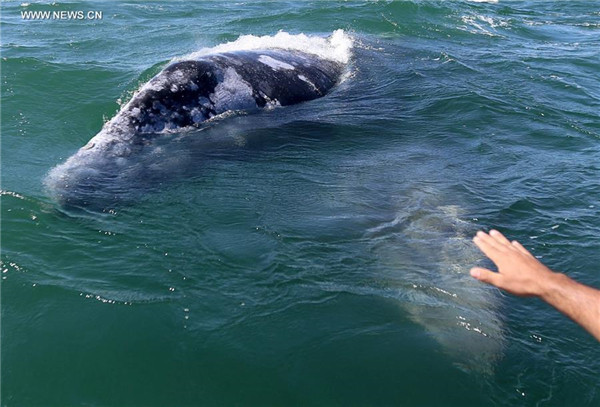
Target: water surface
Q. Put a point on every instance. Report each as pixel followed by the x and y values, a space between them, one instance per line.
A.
pixel 311 255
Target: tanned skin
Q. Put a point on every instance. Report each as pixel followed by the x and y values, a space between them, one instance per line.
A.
pixel 520 273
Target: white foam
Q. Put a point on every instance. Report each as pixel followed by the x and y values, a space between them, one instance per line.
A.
pixel 480 24
pixel 336 47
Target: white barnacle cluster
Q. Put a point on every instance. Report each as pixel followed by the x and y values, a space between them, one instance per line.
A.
pixel 203 111
pixel 164 115
pixel 159 120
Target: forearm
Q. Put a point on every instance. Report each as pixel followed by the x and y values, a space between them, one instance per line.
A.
pixel 577 301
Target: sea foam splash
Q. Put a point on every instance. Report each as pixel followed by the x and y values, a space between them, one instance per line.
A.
pixel 336 47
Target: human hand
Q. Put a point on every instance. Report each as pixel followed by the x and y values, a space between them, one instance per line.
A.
pixel 519 272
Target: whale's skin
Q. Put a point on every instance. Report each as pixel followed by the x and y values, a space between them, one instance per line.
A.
pixel 186 94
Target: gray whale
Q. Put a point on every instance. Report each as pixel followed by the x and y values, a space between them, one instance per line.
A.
pixel 183 96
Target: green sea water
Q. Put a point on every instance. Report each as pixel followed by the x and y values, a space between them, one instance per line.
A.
pixel 311 255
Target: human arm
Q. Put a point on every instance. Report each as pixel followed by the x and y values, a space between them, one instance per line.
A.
pixel 520 273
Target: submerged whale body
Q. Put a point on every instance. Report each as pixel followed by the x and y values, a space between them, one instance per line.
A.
pixel 184 95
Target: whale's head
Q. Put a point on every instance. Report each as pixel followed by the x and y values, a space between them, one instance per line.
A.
pixel 104 169
pixel 94 172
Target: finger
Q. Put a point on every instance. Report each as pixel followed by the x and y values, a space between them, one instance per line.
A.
pixel 487 276
pixel 499 237
pixel 489 250
pixel 490 240
pixel 521 248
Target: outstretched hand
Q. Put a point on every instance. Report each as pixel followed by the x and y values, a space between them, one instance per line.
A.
pixel 522 274
pixel 519 272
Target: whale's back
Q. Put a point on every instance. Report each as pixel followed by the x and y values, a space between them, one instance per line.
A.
pixel 287 77
pixel 187 93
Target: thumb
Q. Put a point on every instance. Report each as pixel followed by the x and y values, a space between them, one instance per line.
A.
pixel 485 275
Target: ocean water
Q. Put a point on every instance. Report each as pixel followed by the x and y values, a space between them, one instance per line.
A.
pixel 315 254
